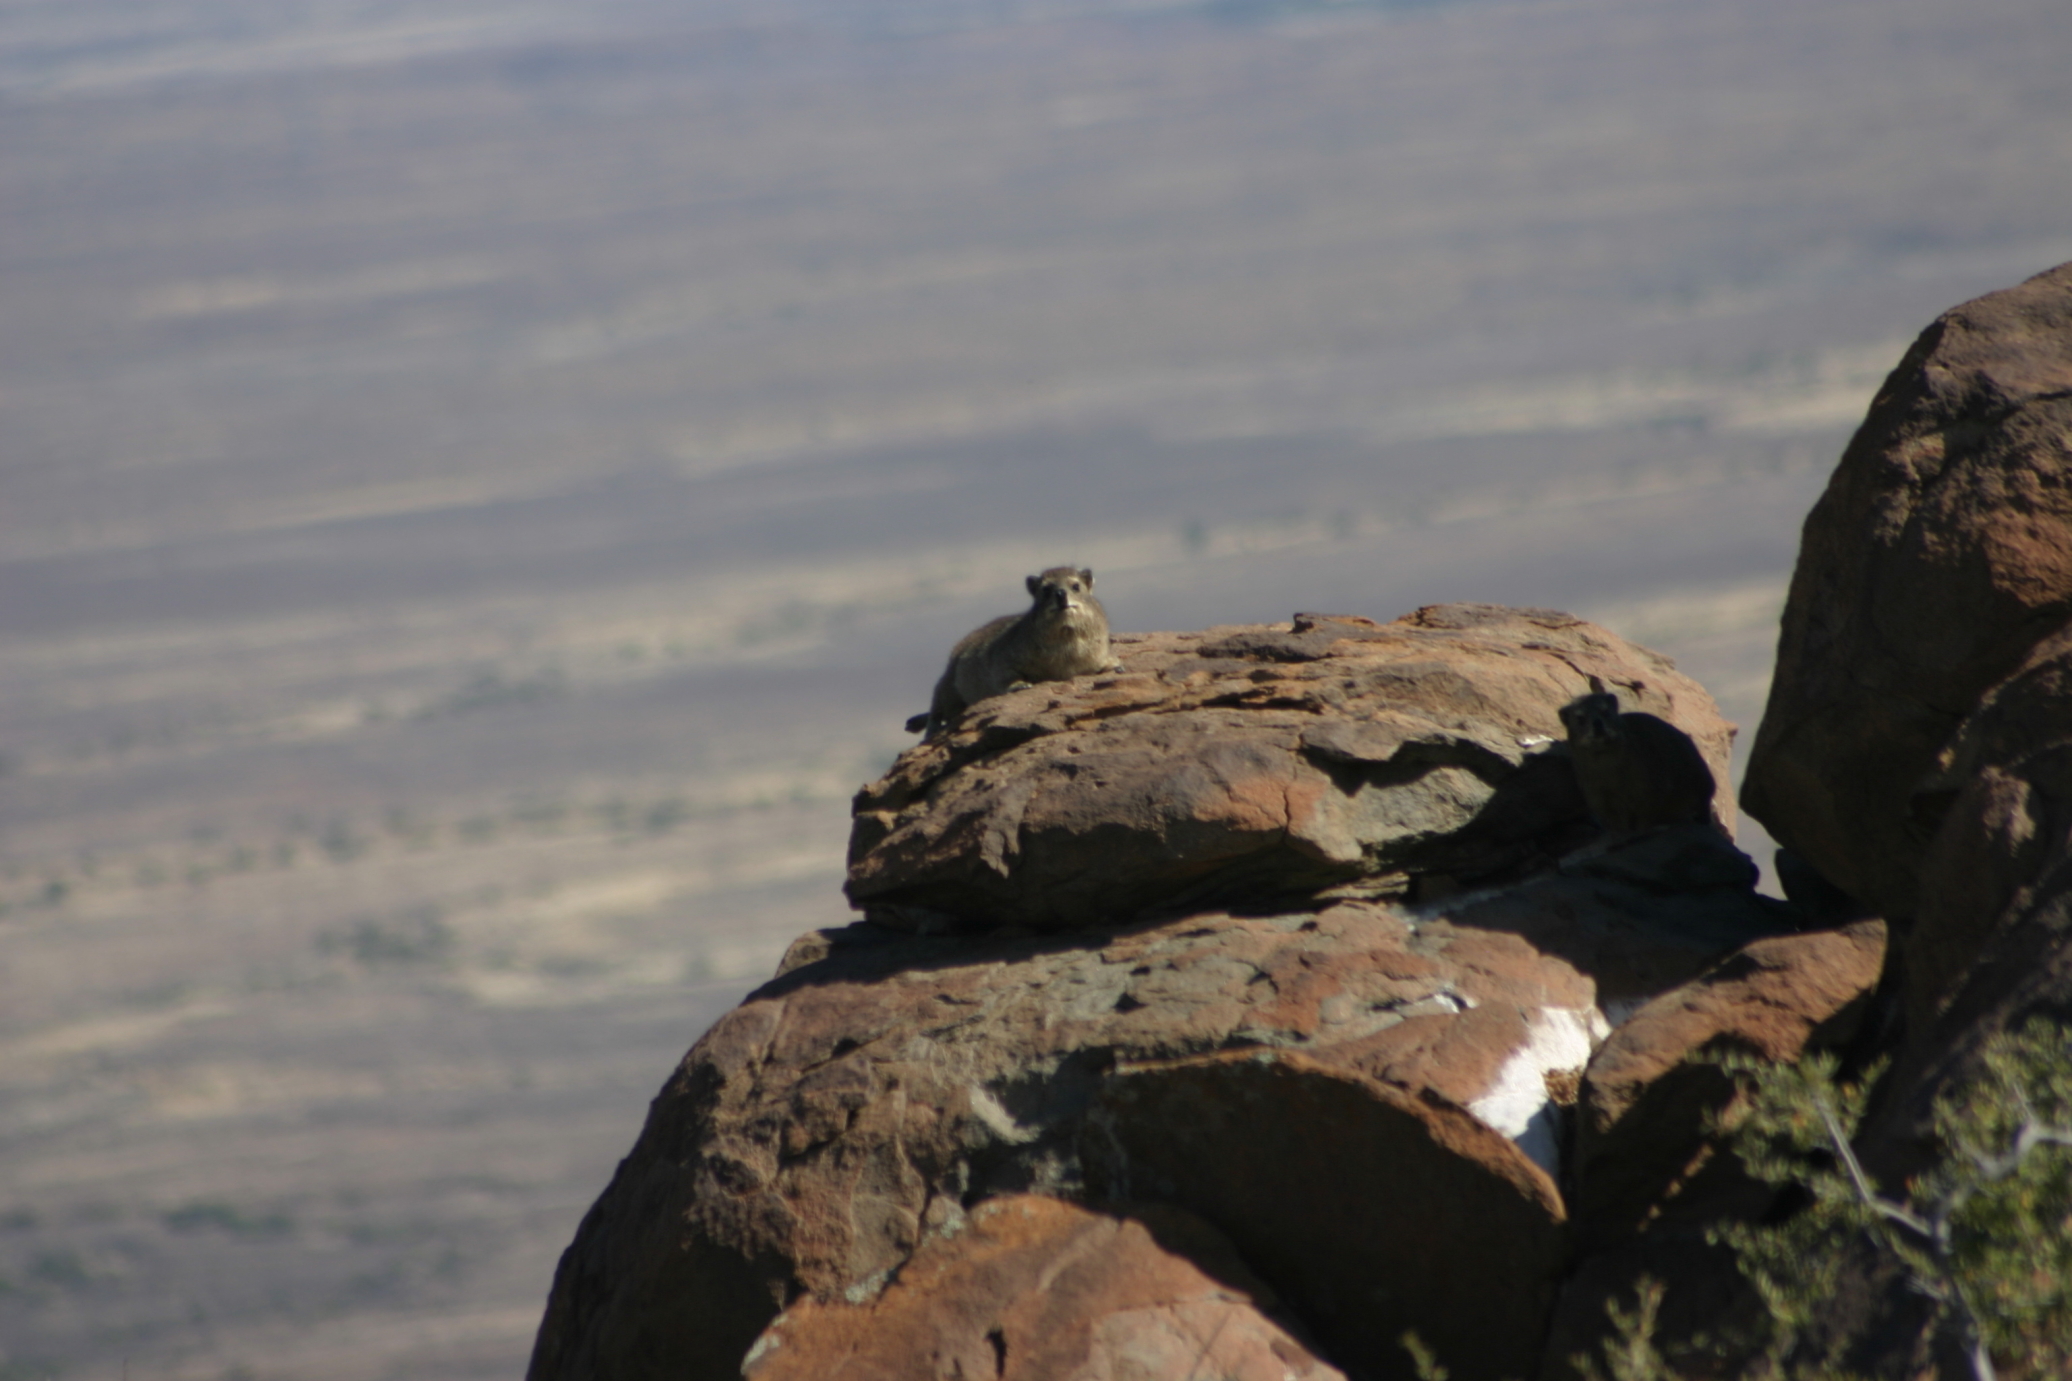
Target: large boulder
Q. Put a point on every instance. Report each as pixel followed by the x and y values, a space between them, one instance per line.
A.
pixel 1917 747
pixel 1376 1211
pixel 1649 1179
pixel 1938 558
pixel 1367 1100
pixel 2005 777
pixel 1025 1288
pixel 1991 950
pixel 1286 928
pixel 1647 1100
pixel 1333 756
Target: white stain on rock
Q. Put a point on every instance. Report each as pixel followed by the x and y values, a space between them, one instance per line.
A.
pixel 1516 1103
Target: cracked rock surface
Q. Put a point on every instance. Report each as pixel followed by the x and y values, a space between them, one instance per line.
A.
pixel 1331 756
pixel 1034 1289
pixel 1275 996
pixel 1936 561
pixel 1323 1087
pixel 1285 928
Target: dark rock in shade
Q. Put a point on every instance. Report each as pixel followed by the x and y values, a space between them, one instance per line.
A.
pixel 1936 561
pixel 1915 758
pixel 1990 866
pixel 1823 903
pixel 1259 765
pixel 1640 918
pixel 1025 1288
pixel 1992 949
pixel 1373 1211
pixel 1648 1176
pixel 2004 791
pixel 1641 1118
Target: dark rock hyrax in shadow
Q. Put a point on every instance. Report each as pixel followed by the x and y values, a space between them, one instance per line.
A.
pixel 1637 771
pixel 1063 634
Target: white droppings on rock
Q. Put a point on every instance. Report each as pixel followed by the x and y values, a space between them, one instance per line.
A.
pixel 996 1118
pixel 869 1288
pixel 1516 1103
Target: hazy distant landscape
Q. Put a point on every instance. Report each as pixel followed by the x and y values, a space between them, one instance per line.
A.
pixel 482 483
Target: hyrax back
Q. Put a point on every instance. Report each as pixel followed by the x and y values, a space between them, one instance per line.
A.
pixel 1063 634
pixel 1636 771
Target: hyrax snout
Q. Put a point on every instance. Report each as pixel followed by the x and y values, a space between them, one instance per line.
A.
pixel 1063 633
pixel 1637 771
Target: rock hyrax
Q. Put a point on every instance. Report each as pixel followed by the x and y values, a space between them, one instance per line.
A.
pixel 1636 771
pixel 1063 634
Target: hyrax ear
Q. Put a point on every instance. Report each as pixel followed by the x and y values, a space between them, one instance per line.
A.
pixel 1087 575
pixel 1035 583
pixel 1597 686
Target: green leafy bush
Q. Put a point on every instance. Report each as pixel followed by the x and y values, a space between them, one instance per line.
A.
pixel 1985 1235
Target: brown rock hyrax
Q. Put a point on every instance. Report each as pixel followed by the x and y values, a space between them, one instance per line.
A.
pixel 1063 634
pixel 1636 771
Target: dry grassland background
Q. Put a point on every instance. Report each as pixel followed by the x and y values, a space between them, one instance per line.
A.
pixel 482 481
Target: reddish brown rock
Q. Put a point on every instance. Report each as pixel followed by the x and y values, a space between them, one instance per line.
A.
pixel 1649 1178
pixel 1405 758
pixel 1252 1068
pixel 819 1133
pixel 1991 950
pixel 2008 811
pixel 1993 945
pixel 1373 1210
pixel 1990 944
pixel 1916 750
pixel 1032 1289
pixel 1642 1116
pixel 1938 558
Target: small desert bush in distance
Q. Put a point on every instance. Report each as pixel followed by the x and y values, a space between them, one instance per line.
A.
pixel 1985 1235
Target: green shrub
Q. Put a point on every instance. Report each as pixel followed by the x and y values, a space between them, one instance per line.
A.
pixel 1985 1235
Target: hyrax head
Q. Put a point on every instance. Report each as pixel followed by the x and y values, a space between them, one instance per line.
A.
pixel 1592 718
pixel 1061 589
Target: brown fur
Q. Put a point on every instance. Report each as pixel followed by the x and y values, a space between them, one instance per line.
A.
pixel 1064 633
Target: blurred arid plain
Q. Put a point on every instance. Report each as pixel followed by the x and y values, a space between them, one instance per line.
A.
pixel 483 481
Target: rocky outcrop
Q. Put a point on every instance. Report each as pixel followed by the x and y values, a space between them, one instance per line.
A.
pixel 1034 1289
pixel 1641 1124
pixel 1365 1097
pixel 1990 949
pixel 1276 998
pixel 1938 559
pixel 1648 1179
pixel 2007 778
pixel 1332 757
pixel 1917 746
pixel 1247 1068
